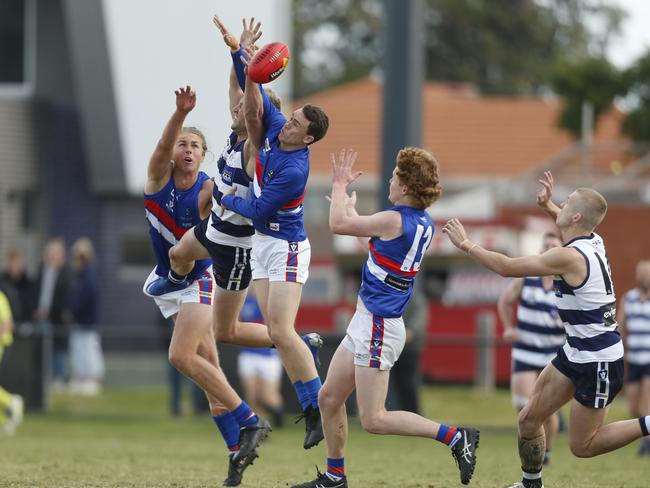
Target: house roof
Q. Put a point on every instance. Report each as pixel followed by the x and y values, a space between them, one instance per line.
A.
pixel 470 134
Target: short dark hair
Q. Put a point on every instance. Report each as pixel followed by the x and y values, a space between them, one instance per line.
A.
pixel 318 122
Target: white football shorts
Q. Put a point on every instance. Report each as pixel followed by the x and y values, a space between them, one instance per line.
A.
pixel 267 367
pixel 376 342
pixel 200 291
pixel 278 260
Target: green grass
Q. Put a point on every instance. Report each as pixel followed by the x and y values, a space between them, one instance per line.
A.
pixel 125 438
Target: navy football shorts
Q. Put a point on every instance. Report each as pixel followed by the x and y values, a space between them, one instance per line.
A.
pixel 597 383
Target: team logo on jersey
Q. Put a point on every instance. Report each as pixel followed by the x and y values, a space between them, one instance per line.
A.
pixel 226 176
pixel 377 343
pixel 293 246
pixel 602 374
pixel 171 202
pixel 268 176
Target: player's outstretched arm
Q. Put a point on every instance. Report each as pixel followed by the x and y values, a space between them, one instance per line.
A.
pixel 386 224
pixel 557 261
pixel 251 32
pixel 253 112
pixel 545 194
pixel 351 211
pixel 160 169
pixel 506 308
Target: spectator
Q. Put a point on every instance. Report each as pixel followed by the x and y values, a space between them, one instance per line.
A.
pixel 19 287
pixel 52 295
pixel 86 358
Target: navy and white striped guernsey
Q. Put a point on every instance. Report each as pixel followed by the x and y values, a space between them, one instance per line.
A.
pixel 637 326
pixel 539 327
pixel 230 229
pixel 588 311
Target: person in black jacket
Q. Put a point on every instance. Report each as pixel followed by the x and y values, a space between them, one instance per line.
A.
pixel 52 296
pixel 17 285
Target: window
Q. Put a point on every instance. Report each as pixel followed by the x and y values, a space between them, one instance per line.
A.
pixel 17 45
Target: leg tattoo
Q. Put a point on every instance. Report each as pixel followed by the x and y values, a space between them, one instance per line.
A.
pixel 531 453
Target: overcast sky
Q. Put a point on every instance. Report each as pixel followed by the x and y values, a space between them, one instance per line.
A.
pixel 636 33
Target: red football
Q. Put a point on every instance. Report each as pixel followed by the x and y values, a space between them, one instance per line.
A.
pixel 269 62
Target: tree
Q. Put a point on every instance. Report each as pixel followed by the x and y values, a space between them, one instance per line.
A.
pixel 506 46
pixel 594 80
pixel 501 46
pixel 637 122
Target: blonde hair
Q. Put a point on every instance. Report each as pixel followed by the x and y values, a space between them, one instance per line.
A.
pixel 417 169
pixel 593 207
pixel 83 251
pixel 196 132
pixel 275 99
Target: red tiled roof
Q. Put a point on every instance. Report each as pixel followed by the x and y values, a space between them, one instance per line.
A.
pixel 468 133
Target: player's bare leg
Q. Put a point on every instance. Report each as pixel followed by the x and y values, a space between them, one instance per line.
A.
pixel 193 351
pixel 188 250
pixel 552 390
pixel 338 386
pixel 181 257
pixel 588 436
pixel 281 310
pixel 190 328
pixel 522 385
pixel 336 390
pixel 228 328
pixel 297 357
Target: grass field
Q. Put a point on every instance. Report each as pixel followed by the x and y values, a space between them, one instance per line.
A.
pixel 125 438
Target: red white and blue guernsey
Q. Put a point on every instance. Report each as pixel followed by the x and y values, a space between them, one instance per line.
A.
pixel 275 206
pixel 389 272
pixel 588 311
pixel 170 213
pixel 376 333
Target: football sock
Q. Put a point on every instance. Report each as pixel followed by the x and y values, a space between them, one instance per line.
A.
pixel 644 422
pixel 301 393
pixel 229 428
pixel 532 480
pixel 335 468
pixel 244 416
pixel 176 278
pixel 448 435
pixel 312 387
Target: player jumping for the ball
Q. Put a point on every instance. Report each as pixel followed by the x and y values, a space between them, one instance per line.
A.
pixel 375 337
pixel 281 249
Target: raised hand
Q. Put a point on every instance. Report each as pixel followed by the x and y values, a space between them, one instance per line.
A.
pixel 185 99
pixel 342 168
pixel 350 201
pixel 230 40
pixel 223 208
pixel 456 232
pixel 251 33
pixel 545 193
